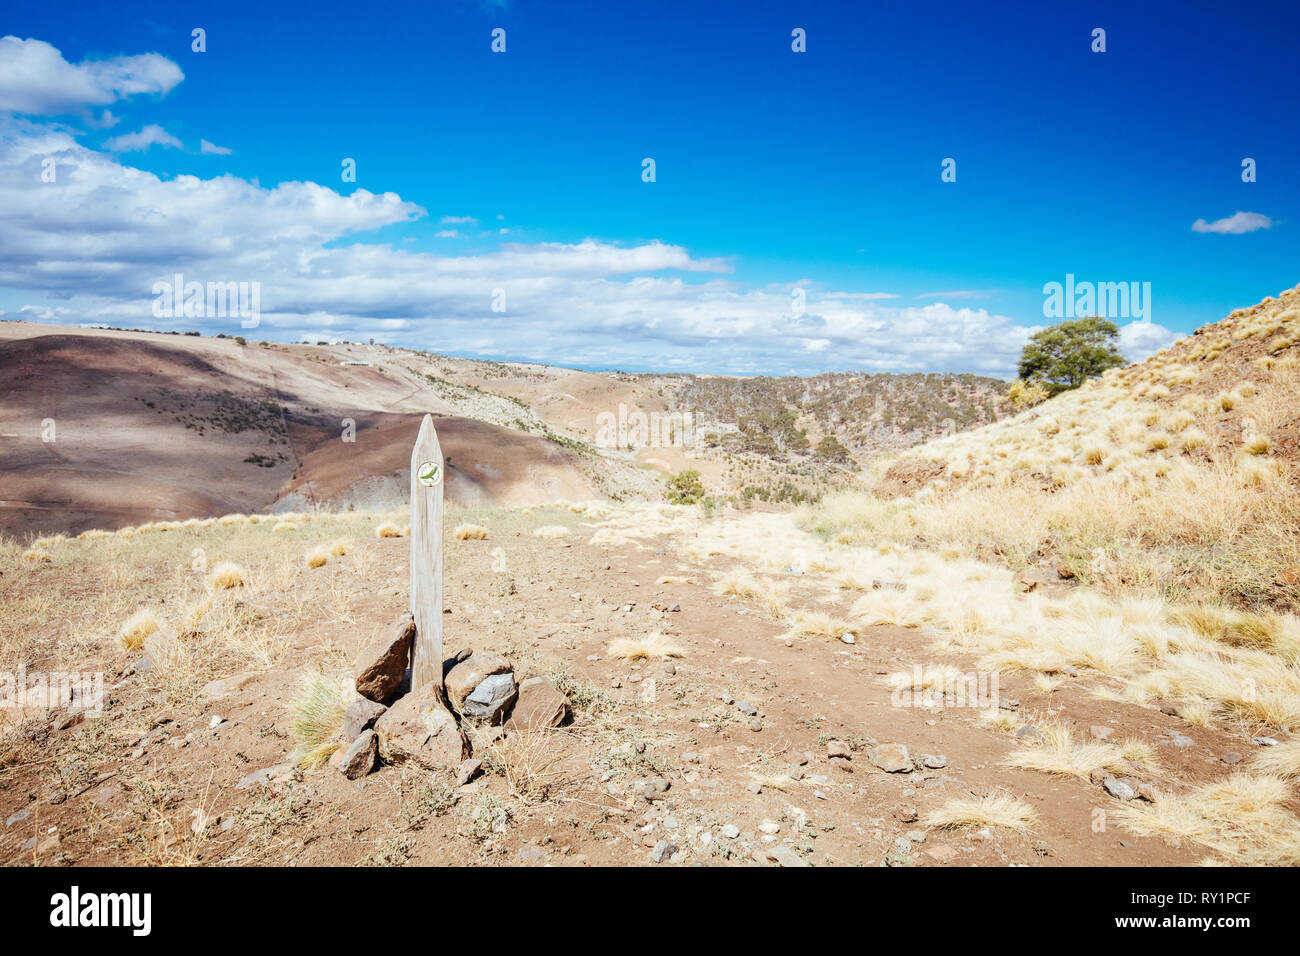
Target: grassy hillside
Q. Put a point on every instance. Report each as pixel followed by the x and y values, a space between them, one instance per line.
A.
pixel 1176 476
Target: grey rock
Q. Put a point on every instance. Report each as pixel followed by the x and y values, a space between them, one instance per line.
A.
pixel 756 724
pixel 1265 741
pixel 533 853
pixel 891 758
pixel 1231 757
pixel 465 677
pixel 1119 788
pixel 360 715
pixel 936 761
pixel 469 769
pixel 786 856
pixel 18 817
pixel 277 774
pixel 490 699
pixel 746 708
pixel 663 850
pixel 730 831
pixel 359 759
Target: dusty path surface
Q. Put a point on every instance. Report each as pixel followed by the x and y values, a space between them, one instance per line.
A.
pixel 136 784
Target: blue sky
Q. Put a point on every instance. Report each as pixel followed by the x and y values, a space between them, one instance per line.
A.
pixel 774 170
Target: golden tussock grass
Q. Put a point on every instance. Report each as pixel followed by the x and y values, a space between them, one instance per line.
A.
pixel 1282 760
pixel 318 557
pixel 772 595
pixel 551 531
pixel 817 624
pixel 674 579
pixel 995 809
pixel 225 576
pixel 316 718
pixel 470 532
pixel 388 530
pixel 1057 753
pixel 1242 817
pixel 338 549
pixel 656 645
pixel 136 628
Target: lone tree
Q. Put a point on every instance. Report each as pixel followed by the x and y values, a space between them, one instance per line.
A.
pixel 1066 355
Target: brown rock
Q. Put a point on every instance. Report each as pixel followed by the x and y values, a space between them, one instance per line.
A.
pixel 421 729
pixel 469 769
pixel 1064 573
pixel 359 759
pixel 891 758
pixel 841 763
pixel 538 706
pixel 382 665
pixel 1035 578
pixel 469 673
pixel 360 715
pixel 838 748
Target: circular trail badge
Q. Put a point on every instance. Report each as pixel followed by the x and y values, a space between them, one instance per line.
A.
pixel 429 474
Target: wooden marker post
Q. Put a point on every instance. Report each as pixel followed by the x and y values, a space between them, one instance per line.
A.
pixel 426 556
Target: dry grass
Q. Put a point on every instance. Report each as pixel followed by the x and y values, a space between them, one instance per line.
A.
pixel 996 809
pixel 316 719
pixel 817 624
pixel 652 646
pixel 551 531
pixel 225 576
pixel 1242 817
pixel 137 627
pixel 1058 753
pixel 387 530
pixel 772 595
pixel 530 761
pixel 470 532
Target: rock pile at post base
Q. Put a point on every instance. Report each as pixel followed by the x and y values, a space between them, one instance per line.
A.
pixel 390 723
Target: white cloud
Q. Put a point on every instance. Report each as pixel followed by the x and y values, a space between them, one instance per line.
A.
pixel 458 221
pixel 151 135
pixel 1234 225
pixel 94 243
pixel 446 234
pixel 1138 341
pixel 36 79
pixel 212 149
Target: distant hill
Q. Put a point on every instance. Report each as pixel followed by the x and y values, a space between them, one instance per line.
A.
pixel 106 428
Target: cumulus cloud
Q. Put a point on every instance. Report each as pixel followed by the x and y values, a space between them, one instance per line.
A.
pixel 1234 225
pixel 94 243
pixel 151 135
pixel 36 79
pixel 212 149
pixel 1138 341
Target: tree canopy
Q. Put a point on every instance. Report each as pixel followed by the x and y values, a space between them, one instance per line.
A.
pixel 1066 355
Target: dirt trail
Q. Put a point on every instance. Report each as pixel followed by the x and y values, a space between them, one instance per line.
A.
pixel 554 609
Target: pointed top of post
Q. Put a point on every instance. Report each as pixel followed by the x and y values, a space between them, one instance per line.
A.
pixel 426 446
